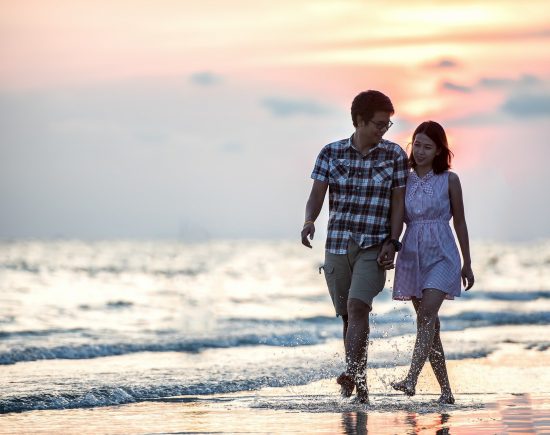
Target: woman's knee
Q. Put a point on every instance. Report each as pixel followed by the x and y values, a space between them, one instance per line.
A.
pixel 427 317
pixel 437 325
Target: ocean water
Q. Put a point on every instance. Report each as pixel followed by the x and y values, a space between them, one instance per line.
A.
pixel 87 324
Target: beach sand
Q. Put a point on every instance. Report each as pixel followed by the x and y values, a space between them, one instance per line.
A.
pixel 506 392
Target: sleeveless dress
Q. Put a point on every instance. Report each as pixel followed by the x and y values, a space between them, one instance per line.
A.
pixel 429 257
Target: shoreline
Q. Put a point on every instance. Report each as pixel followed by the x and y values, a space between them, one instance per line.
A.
pixel 508 390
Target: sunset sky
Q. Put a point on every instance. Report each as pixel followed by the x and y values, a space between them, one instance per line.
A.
pixel 194 120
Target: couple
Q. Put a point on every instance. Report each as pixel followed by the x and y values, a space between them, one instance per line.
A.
pixel 373 188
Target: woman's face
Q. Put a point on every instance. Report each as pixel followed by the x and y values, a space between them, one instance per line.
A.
pixel 424 150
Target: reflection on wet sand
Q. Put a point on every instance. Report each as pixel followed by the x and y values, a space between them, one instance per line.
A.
pixel 521 413
pixel 357 423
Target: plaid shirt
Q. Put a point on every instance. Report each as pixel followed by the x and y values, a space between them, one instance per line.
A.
pixel 359 191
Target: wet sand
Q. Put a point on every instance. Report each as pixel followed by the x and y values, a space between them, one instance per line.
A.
pixel 506 392
pixel 518 414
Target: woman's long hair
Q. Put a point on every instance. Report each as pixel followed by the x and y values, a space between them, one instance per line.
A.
pixel 435 132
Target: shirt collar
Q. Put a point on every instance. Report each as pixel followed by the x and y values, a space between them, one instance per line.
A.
pixel 351 146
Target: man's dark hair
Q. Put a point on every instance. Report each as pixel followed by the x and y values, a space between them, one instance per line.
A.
pixel 435 132
pixel 367 103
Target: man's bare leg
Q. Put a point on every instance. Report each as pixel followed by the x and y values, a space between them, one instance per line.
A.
pixel 357 338
pixel 344 327
pixel 427 314
pixel 347 384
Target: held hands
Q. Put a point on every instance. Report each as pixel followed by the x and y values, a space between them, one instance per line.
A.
pixel 467 276
pixel 308 231
pixel 386 256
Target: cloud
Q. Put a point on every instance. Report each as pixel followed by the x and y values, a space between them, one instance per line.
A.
pixel 205 78
pixel 495 83
pixel 525 105
pixel 285 107
pixel 444 64
pixel 456 88
pixel 499 82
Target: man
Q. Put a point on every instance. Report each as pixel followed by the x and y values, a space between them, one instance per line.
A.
pixel 366 177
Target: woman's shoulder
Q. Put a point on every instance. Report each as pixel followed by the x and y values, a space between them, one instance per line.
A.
pixel 453 177
pixel 453 181
pixel 450 175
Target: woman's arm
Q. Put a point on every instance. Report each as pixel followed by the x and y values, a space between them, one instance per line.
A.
pixel 459 222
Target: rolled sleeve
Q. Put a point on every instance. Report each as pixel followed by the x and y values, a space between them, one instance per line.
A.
pixel 400 170
pixel 321 168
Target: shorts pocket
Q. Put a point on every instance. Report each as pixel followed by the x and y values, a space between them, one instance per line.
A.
pixel 331 279
pixel 327 268
pixel 338 287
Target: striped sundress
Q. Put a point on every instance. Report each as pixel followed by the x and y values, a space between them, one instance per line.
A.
pixel 429 257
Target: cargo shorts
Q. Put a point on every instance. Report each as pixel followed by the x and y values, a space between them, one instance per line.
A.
pixel 353 275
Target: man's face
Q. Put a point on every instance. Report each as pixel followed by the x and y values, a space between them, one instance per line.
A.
pixel 372 130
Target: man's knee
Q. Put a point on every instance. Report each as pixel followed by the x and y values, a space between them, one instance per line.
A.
pixel 358 309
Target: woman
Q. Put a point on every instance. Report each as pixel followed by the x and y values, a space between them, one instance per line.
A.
pixel 428 267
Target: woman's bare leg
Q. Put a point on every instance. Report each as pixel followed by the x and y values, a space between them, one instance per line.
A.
pixel 437 360
pixel 427 316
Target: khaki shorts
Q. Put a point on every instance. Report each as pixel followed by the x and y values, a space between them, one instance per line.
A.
pixel 353 275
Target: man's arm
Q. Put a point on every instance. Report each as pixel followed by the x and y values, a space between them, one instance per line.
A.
pixel 397 212
pixel 387 253
pixel 313 208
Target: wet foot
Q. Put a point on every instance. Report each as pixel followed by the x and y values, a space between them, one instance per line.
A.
pixel 405 387
pixel 361 399
pixel 346 384
pixel 362 395
pixel 446 399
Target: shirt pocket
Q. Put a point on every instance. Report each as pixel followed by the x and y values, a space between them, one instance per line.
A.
pixel 339 170
pixel 381 173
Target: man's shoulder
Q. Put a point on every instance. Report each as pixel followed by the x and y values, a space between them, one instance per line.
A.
pixel 337 145
pixel 394 149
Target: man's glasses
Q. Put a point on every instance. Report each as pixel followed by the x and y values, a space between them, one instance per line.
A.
pixel 382 125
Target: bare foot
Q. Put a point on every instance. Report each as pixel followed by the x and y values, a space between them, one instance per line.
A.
pixel 405 387
pixel 446 399
pixel 346 384
pixel 362 395
pixel 361 399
